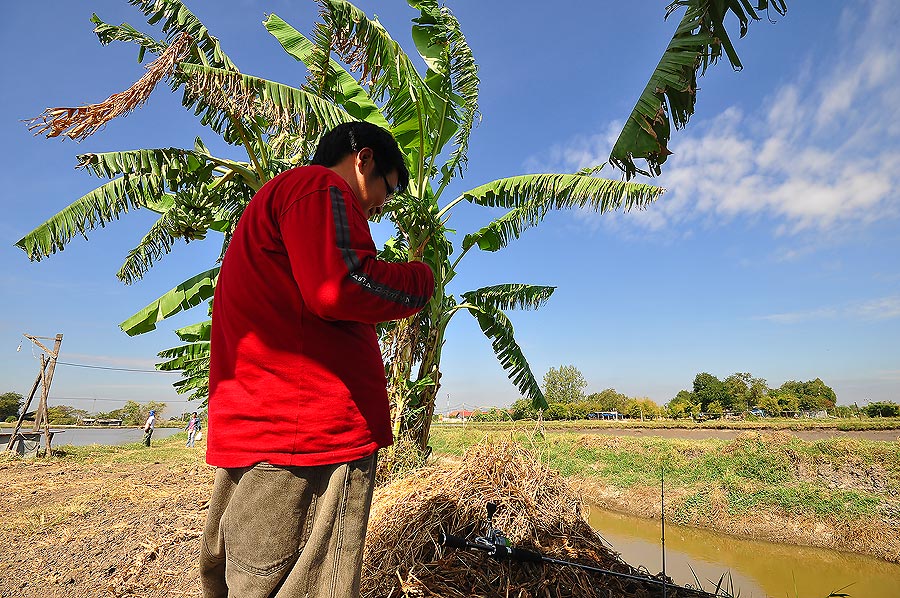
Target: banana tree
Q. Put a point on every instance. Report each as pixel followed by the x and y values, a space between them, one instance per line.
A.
pixel 355 71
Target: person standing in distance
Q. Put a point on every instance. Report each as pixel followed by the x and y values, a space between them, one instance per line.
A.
pixel 298 404
pixel 192 427
pixel 148 427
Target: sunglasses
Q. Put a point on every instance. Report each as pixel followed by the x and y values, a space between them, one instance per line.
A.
pixel 391 191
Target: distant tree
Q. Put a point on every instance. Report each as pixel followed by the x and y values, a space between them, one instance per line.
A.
pixel 64 415
pixel 580 410
pixel 607 400
pixel 707 389
pixel 557 411
pixel 683 405
pixel 788 401
pixel 641 408
pixel 491 415
pixel 524 409
pixel 715 409
pixel 737 389
pixel 564 385
pixel 826 396
pixel 135 414
pixel 769 404
pixel 744 391
pixel 758 388
pixel 10 404
pixel 812 395
pixel 882 409
pixel 844 411
pixel 114 414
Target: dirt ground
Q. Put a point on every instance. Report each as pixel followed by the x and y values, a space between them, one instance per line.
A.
pixel 87 530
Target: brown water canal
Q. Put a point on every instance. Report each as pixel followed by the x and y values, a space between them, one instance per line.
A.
pixel 758 569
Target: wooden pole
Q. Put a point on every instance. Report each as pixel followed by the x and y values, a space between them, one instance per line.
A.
pixel 45 394
pixel 48 362
pixel 42 402
pixel 12 439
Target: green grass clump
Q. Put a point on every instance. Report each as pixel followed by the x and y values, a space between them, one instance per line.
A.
pixel 170 450
pixel 752 423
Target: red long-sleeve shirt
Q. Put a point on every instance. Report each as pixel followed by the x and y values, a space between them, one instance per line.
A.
pixel 296 374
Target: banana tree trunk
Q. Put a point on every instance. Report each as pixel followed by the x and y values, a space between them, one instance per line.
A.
pixel 413 401
pixel 420 427
pixel 399 352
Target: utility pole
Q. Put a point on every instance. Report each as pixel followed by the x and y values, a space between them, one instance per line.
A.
pixel 44 378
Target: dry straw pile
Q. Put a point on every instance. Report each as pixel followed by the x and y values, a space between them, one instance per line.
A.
pixel 538 511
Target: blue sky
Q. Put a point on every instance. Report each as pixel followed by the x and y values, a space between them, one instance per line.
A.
pixel 774 251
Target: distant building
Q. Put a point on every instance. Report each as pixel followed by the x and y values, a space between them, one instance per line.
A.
pixel 605 415
pixel 461 415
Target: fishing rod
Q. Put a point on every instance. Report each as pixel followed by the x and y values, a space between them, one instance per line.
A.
pixel 662 520
pixel 496 546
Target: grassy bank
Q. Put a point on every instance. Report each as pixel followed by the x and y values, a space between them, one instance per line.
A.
pixel 769 423
pixel 839 493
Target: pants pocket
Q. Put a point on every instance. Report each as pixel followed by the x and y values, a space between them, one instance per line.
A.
pixel 263 525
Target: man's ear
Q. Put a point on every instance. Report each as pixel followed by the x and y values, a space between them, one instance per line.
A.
pixel 364 156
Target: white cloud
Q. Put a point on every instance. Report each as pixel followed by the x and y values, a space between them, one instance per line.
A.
pixel 581 151
pixel 884 308
pixel 879 309
pixel 825 313
pixel 889 374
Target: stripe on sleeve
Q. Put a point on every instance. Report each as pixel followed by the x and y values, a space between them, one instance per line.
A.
pixel 351 260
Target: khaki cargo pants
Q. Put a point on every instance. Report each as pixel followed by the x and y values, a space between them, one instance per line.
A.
pixel 282 532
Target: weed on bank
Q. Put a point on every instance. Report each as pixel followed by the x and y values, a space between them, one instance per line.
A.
pixel 838 478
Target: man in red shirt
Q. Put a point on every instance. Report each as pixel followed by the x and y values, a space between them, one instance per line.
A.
pixel 298 403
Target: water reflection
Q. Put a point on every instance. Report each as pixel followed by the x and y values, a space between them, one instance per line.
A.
pixel 108 436
pixel 758 569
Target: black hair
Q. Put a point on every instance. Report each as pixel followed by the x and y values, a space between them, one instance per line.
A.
pixel 348 138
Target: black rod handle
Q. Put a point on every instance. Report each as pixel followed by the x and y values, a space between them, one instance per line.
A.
pixel 518 554
pixel 457 542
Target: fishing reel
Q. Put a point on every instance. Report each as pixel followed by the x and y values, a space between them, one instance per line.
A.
pixel 494 543
pixel 493 536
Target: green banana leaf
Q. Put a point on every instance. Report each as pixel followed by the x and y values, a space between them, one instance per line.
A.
pixel 176 18
pixel 348 93
pixel 184 296
pixel 511 296
pixel 497 327
pixel 182 356
pixel 421 117
pixel 672 89
pixel 195 332
pixel 225 94
pixel 97 208
pixel 533 196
